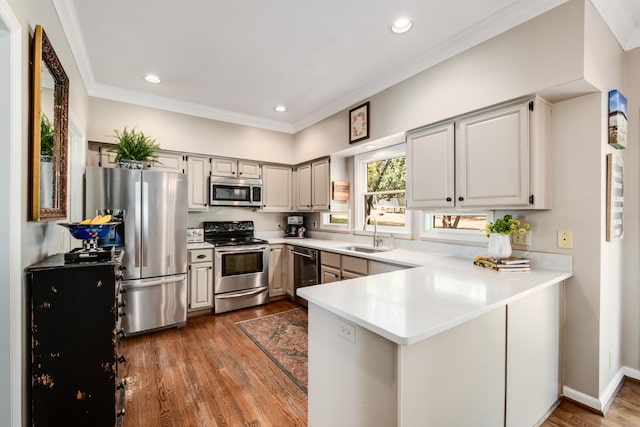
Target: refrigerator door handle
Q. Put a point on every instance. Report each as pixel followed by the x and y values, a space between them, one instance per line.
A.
pixel 145 221
pixel 143 283
pixel 138 223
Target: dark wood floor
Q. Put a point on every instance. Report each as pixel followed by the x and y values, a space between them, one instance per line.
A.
pixel 624 411
pixel 210 373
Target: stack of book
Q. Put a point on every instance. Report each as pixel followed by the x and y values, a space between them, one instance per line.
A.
pixel 503 264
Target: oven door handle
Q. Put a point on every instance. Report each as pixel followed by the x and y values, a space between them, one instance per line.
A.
pixel 247 248
pixel 241 294
pixel 304 255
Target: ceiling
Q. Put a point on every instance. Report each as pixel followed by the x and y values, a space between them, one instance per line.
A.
pixel 236 60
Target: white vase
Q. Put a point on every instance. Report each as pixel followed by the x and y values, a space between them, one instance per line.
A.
pixel 499 245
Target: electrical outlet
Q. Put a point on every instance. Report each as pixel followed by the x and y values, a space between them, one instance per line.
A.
pixel 347 331
pixel 521 239
pixel 565 239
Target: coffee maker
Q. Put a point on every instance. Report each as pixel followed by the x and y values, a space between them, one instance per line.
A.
pixel 294 226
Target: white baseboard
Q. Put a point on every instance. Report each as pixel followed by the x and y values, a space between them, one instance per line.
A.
pixel 631 373
pixel 602 403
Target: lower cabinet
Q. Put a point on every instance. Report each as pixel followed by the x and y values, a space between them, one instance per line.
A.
pixel 200 279
pixel 74 333
pixel 288 270
pixel 277 270
pixel 335 267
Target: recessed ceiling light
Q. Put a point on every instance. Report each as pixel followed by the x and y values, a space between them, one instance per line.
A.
pixel 280 108
pixel 401 25
pixel 152 78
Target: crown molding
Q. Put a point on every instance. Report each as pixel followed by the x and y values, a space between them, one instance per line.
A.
pixel 169 104
pixel 620 22
pixel 71 27
pixel 505 19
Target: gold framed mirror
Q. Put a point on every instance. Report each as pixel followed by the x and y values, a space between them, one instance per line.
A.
pixel 49 131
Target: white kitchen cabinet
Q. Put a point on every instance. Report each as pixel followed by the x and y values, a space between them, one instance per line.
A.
pixel 276 188
pixel 169 162
pixel 314 186
pixel 329 274
pixel 235 168
pixel 496 158
pixel 430 167
pixel 198 171
pixel 277 271
pixel 200 279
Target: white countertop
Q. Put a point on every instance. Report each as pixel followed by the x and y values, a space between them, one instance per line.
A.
pixel 408 306
pixel 200 245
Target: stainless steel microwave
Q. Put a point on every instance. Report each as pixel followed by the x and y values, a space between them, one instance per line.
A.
pixel 225 191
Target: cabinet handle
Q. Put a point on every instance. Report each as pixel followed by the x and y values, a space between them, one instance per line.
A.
pixel 201 256
pixel 121 413
pixel 210 268
pixel 122 359
pixel 448 199
pixel 460 198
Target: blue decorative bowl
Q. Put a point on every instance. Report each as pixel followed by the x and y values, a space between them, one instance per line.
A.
pixel 89 231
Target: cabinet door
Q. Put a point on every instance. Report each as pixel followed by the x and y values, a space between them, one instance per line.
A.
pixel 200 285
pixel 321 185
pixel 430 168
pixel 224 167
pixel 288 270
pixel 329 274
pixel 276 276
pixel 304 188
pixel 276 189
pixel 247 169
pixel 169 162
pixel 198 171
pixel 351 275
pixel 492 152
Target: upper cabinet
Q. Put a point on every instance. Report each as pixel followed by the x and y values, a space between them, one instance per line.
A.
pixel 486 160
pixel 169 162
pixel 235 168
pixel 198 168
pixel 276 188
pixel 313 189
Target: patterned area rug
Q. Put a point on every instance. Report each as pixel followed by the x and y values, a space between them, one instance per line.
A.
pixel 283 337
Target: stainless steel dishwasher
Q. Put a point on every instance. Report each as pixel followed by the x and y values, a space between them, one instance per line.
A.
pixel 306 269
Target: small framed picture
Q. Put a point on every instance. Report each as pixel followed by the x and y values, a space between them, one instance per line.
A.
pixel 359 123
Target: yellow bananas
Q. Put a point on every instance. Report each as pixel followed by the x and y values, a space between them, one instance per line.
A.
pixel 98 219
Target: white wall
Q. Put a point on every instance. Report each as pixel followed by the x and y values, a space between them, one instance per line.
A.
pixel 179 132
pixel 544 53
pixel 39 239
pixel 630 246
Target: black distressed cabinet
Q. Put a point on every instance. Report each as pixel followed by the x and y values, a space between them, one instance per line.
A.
pixel 74 329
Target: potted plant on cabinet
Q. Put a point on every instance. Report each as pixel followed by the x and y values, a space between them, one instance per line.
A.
pixel 134 149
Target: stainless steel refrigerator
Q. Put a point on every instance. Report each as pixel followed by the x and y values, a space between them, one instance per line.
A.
pixel 153 209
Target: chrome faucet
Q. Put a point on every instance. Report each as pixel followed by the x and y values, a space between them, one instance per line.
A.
pixel 376 239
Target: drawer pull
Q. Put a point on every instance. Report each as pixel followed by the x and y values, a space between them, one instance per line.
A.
pixel 201 256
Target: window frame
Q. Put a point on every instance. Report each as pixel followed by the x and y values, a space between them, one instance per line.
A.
pixel 427 232
pixel 360 189
pixel 343 228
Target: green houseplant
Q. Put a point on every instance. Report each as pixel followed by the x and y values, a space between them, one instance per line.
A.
pixel 46 136
pixel 134 149
pixel 499 232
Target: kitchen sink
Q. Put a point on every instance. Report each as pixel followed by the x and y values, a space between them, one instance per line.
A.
pixel 365 249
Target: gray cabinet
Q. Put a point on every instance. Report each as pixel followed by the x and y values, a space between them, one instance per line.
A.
pixel 276 188
pixel 197 169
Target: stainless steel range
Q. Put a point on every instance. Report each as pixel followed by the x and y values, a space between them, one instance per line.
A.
pixel 241 265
